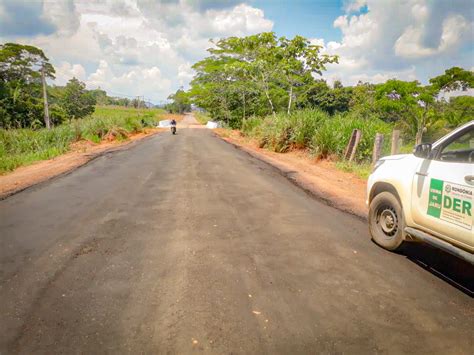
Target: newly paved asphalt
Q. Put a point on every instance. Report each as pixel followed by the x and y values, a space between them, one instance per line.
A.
pixel 184 244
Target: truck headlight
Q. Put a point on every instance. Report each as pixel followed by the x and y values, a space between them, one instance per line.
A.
pixel 377 164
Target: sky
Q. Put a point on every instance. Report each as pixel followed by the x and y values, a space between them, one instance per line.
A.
pixel 147 47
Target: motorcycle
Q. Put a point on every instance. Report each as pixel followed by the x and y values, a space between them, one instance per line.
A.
pixel 173 128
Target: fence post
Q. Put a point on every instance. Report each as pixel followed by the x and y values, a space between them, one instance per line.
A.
pixel 395 142
pixel 378 143
pixel 351 148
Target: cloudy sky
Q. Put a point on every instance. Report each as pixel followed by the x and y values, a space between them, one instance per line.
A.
pixel 147 47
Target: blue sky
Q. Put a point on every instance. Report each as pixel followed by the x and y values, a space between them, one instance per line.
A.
pixel 308 18
pixel 147 48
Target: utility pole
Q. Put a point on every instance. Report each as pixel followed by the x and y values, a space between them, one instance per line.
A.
pixel 45 98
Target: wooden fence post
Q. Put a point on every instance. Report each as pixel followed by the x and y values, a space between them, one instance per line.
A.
pixel 395 142
pixel 351 148
pixel 378 143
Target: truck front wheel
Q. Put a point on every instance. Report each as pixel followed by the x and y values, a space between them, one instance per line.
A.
pixel 386 221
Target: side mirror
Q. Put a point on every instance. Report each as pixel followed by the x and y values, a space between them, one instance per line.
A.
pixel 422 150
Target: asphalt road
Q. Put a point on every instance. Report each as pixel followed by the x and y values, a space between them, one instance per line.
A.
pixel 185 244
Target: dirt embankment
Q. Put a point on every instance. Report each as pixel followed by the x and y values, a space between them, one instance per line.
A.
pixel 81 153
pixel 322 179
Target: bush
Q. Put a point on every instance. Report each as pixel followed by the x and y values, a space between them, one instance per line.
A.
pixel 325 135
pixel 284 132
pixel 332 136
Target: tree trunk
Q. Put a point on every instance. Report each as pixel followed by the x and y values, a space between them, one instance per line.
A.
pixel 290 99
pixel 268 95
pixel 45 99
pixel 421 128
pixel 243 96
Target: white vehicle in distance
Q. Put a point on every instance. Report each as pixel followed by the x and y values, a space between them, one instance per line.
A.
pixel 426 196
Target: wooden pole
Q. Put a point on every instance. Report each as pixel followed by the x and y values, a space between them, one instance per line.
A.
pixel 378 143
pixel 358 136
pixel 351 148
pixel 395 142
pixel 45 99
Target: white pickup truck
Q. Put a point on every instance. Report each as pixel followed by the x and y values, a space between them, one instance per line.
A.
pixel 426 196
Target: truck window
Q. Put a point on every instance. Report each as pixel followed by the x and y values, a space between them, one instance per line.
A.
pixel 459 150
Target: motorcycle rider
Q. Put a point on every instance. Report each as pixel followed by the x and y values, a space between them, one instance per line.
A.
pixel 173 126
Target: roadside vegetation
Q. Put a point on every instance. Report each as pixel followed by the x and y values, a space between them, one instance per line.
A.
pixel 202 117
pixel 24 146
pixel 33 128
pixel 271 89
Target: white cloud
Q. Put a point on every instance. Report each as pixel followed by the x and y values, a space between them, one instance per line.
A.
pixel 135 82
pixel 66 71
pixel 354 5
pixel 135 47
pixel 409 43
pixel 404 39
pixel 63 15
pixel 185 74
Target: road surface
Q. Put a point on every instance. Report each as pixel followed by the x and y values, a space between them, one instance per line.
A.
pixel 185 244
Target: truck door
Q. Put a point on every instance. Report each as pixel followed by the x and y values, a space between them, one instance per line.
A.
pixel 442 201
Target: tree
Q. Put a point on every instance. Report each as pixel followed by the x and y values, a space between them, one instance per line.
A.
pixel 242 73
pixel 300 61
pixel 320 95
pixel 407 103
pixel 458 110
pixel 454 78
pixel 100 96
pixel 180 102
pixel 76 101
pixel 20 84
pixel 23 63
pixel 363 99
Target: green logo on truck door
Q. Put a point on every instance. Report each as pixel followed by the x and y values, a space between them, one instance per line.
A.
pixel 451 203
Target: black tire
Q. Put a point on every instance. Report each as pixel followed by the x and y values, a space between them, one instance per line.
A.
pixel 386 221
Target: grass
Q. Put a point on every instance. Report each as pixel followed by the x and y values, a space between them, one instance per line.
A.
pixel 202 117
pixel 20 147
pixel 362 170
pixel 325 136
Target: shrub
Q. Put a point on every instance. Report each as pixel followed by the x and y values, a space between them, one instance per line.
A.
pixel 283 132
pixel 332 136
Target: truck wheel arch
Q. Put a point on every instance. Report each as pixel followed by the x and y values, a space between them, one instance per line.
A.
pixel 381 187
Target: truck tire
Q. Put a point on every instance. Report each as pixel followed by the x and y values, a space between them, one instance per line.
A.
pixel 386 221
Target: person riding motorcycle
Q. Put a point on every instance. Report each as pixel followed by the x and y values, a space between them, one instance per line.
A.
pixel 173 126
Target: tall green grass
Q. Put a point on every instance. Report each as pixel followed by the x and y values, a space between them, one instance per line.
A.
pixel 324 135
pixel 24 146
pixel 284 132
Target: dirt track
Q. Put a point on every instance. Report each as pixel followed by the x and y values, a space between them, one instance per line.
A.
pixel 184 243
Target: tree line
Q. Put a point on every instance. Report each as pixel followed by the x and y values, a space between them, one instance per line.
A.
pixel 24 70
pixel 262 75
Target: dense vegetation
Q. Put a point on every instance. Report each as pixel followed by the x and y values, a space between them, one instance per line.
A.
pixel 22 146
pixel 24 71
pixel 26 133
pixel 270 88
pixel 180 102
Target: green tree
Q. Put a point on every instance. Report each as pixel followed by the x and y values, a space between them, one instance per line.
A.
pixel 407 103
pixel 20 84
pixel 242 73
pixel 454 78
pixel 76 101
pixel 300 60
pixel 335 100
pixel 180 102
pixel 458 110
